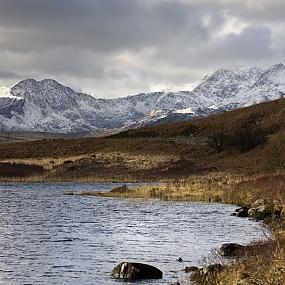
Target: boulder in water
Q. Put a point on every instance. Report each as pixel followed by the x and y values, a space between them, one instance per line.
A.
pixel 231 249
pixel 136 271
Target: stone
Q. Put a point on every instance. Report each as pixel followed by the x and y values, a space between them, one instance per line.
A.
pixel 261 212
pixel 136 271
pixel 243 212
pixel 231 249
pixel 190 269
pixel 121 190
pixel 206 273
pixel 259 202
pixel 213 268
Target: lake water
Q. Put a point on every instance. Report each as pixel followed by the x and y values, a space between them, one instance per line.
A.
pixel 49 238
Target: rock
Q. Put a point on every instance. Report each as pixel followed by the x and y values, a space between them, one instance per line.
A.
pixel 176 283
pixel 234 214
pixel 231 249
pixel 121 190
pixel 207 273
pixel 190 269
pixel 259 202
pixel 135 271
pixel 261 212
pixel 213 268
pixel 243 212
pixel 263 209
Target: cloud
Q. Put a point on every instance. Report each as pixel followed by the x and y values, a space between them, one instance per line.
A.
pixel 119 47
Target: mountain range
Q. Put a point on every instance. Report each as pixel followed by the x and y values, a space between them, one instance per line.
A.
pixel 48 106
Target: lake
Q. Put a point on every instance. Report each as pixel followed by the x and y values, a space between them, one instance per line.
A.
pixel 49 238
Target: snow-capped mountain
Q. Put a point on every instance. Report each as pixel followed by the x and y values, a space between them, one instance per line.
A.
pixel 49 106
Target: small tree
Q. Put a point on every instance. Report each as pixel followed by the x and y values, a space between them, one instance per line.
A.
pixel 217 141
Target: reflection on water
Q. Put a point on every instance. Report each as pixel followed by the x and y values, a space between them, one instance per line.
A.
pixel 49 238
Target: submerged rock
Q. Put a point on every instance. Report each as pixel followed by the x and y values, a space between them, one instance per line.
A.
pixel 188 269
pixel 120 189
pixel 135 271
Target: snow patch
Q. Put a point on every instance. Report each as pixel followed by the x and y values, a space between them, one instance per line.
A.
pixel 5 92
pixel 184 111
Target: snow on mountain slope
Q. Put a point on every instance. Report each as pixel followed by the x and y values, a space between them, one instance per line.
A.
pixel 5 92
pixel 49 106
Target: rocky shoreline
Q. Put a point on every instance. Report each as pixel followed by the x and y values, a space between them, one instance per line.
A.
pixel 264 210
pixel 267 210
pixel 261 210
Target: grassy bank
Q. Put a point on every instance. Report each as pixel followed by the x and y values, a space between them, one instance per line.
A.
pixel 266 267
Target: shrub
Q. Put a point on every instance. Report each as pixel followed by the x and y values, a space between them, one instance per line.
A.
pixel 247 138
pixel 275 152
pixel 217 141
pixel 189 131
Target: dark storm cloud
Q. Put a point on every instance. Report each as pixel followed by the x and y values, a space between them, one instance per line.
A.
pixel 119 47
pixel 107 25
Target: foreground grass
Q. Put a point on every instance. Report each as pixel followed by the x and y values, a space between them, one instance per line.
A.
pixel 266 267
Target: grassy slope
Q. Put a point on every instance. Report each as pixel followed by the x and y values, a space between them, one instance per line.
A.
pixel 172 151
pixel 269 116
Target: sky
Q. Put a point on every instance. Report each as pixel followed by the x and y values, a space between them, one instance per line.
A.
pixel 116 48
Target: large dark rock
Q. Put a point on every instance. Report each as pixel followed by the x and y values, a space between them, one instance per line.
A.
pixel 243 212
pixel 231 249
pixel 135 271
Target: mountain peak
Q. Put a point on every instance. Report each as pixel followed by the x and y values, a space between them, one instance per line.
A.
pixel 27 82
pixel 51 82
pixel 47 105
pixel 279 66
pixel 30 82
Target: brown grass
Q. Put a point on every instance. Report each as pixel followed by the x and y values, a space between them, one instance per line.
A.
pixel 165 152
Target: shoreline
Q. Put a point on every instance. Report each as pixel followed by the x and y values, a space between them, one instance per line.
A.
pixel 241 190
pixel 252 253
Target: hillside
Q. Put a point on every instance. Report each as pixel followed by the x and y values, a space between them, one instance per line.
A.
pixel 269 116
pixel 172 151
